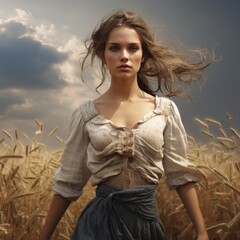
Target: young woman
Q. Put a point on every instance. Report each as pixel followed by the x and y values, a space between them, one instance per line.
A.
pixel 127 138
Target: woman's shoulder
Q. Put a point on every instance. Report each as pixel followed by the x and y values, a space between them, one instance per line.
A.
pixel 85 110
pixel 168 107
pixel 164 105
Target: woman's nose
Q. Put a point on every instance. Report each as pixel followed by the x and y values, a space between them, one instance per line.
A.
pixel 124 56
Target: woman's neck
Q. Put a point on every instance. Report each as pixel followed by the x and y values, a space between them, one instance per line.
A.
pixel 124 90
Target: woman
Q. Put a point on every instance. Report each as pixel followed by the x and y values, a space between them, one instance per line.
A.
pixel 128 137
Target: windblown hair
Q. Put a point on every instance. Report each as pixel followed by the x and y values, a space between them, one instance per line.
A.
pixel 169 68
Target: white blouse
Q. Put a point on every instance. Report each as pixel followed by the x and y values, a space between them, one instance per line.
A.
pixel 99 148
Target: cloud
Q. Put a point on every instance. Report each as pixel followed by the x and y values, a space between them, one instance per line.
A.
pixel 21 16
pixel 39 77
pixel 26 63
pixel 7 100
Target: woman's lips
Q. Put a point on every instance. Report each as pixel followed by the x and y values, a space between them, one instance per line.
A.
pixel 124 68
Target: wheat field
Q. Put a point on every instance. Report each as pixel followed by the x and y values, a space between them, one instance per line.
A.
pixel 27 169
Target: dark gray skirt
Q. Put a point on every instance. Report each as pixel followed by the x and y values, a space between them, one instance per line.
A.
pixel 121 215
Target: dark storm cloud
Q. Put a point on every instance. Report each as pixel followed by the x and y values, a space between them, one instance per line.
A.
pixel 26 63
pixel 13 29
pixel 32 104
pixel 8 100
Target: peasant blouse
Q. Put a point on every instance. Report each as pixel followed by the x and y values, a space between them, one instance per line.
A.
pixel 98 148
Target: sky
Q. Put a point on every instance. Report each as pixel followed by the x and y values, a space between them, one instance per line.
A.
pixel 40 51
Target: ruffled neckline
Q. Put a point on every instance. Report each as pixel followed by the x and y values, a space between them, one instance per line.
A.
pixel 100 119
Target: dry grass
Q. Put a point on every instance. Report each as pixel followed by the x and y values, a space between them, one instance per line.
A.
pixel 27 170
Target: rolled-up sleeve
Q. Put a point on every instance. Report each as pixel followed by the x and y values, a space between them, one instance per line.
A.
pixel 73 173
pixel 177 168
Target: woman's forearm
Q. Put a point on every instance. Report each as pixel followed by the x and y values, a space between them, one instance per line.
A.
pixel 189 198
pixel 57 208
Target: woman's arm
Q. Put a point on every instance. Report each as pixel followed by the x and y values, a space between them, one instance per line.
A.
pixel 57 208
pixel 189 198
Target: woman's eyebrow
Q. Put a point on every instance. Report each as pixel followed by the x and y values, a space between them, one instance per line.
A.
pixel 115 43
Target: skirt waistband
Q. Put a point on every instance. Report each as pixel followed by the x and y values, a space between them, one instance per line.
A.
pixel 140 199
pixel 116 214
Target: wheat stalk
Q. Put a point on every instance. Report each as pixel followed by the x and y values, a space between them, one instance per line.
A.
pixel 235 133
pixel 229 226
pixel 232 187
pixel 53 131
pixel 223 132
pixel 208 134
pixel 229 117
pixel 10 156
pixel 197 120
pixel 59 139
pixel 39 124
pixel 7 134
pixel 26 150
pixel 16 134
pixel 225 139
pixel 210 120
pixel 34 149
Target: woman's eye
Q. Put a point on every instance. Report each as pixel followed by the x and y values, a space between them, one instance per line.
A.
pixel 133 49
pixel 114 49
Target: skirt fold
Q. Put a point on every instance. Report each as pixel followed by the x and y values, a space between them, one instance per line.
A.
pixel 115 214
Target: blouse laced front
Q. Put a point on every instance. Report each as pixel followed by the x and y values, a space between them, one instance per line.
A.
pixel 106 152
pixel 126 145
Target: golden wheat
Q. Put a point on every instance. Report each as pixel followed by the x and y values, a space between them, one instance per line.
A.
pixel 229 116
pixel 7 134
pixel 197 120
pixel 207 133
pixel 223 132
pixel 59 139
pixel 27 171
pixel 213 121
pixel 235 133
pixel 10 156
pixel 53 131
pixel 16 134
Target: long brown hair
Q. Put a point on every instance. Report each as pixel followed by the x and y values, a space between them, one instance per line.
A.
pixel 167 67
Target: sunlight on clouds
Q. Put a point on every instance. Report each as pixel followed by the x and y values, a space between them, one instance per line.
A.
pixel 70 69
pixel 44 33
pixel 38 96
pixel 21 16
pixel 23 106
pixel 19 28
pixel 2 29
pixel 73 45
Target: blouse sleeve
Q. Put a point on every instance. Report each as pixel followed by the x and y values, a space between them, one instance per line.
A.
pixel 177 168
pixel 73 173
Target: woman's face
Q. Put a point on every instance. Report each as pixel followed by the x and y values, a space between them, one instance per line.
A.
pixel 123 53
